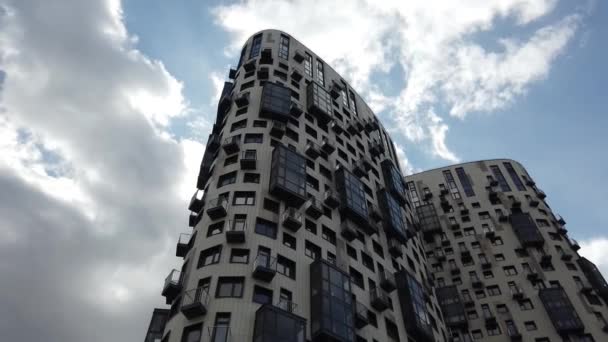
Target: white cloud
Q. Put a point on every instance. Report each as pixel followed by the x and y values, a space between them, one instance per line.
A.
pixel 596 250
pixel 447 71
pixel 92 181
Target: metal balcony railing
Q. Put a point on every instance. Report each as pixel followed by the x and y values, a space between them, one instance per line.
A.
pixel 287 305
pixel 194 302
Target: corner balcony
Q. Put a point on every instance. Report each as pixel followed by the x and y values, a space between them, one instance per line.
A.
pixel 361 313
pixel 387 281
pixel 313 208
pixel 541 194
pixel 330 199
pixel 183 245
pixel 327 146
pixel 173 286
pixel 196 202
pixel 235 231
pixel 348 230
pixel 249 160
pixel 232 145
pixel 277 129
pixel 216 208
pixel 195 302
pixel 194 219
pixel 242 99
pixel 312 150
pixel 264 268
pixel 295 109
pixel 213 143
pixel 574 244
pixel 299 56
pixel 292 219
pixel 379 299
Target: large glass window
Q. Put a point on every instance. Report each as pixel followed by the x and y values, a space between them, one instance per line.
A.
pixel 284 47
pixel 352 193
pixel 288 173
pixel 286 267
pixel 411 187
pixel 319 100
pixel 394 222
pixel 393 180
pixel 514 177
pixel 502 182
pixel 256 45
pixel 308 65
pixel 243 198
pixel 320 73
pixel 447 174
pixel 353 103
pixel 230 287
pixel 465 182
pixel 221 329
pixel 266 228
pixel 276 102
pixel 192 333
pixel 210 256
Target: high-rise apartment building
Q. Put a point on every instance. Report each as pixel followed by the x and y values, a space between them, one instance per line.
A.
pixel 305 229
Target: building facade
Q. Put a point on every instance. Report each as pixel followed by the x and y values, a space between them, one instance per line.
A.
pixel 305 229
pixel 504 267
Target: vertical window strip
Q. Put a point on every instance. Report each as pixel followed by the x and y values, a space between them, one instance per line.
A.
pixel 284 47
pixel 504 186
pixel 465 182
pixel 514 177
pixel 308 65
pixel 449 179
pixel 256 45
pixel 320 73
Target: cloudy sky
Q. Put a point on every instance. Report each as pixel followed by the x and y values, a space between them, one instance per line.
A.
pixel 105 107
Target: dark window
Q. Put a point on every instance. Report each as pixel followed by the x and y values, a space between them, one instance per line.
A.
pixel 221 329
pixel 262 295
pixel 308 65
pixel 289 241
pixel 320 73
pixel 453 188
pixel 239 256
pixel 243 198
pixel 216 228
pixel 229 287
pixel 254 138
pixel 238 125
pixel 225 179
pixel 353 102
pixel 502 182
pixel 465 182
pixel 266 228
pixel 514 177
pixel 329 235
pixel 311 250
pixel 256 45
pixel 286 267
pixel 271 205
pixel 356 277
pixel 231 160
pixel 192 333
pixel 210 256
pixel 284 47
pixel 259 123
pixel 251 178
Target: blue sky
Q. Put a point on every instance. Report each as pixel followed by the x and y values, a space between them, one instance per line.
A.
pixel 105 106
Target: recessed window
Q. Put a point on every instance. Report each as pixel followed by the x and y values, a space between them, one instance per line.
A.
pixel 311 250
pixel 262 295
pixel 286 267
pixel 216 228
pixel 238 125
pixel 477 334
pixel 356 277
pixel 259 123
pixel 289 241
pixel 493 330
pixel 329 235
pixel 530 325
pixel 243 198
pixel 493 290
pixel 230 287
pixel 526 304
pixel 351 252
pixel 510 270
pixel 210 256
pixel 239 256
pixel 266 228
pixel 225 179
pixel 331 257
pixel 251 178
pixel 499 257
pixel 231 160
pixel 192 333
pixel 271 205
pixel 254 138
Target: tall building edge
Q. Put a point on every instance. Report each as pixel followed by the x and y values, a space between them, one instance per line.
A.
pixel 294 146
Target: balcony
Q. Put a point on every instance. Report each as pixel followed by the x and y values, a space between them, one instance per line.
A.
pixel 299 56
pixel 387 281
pixel 532 275
pixel 275 323
pixel 464 212
pixel 486 264
pixel 545 260
pixel 249 160
pixel 335 90
pixel 359 169
pixel 264 268
pixel 561 221
pixel 232 145
pixel 216 208
pixel 327 146
pixel 296 75
pixel 565 256
pixel 336 127
pixel 232 74
pixel 242 99
pixel 313 208
pixel 574 244
pixel 194 219
pixel 376 148
pixel 331 199
pixel 517 293
pixel 295 110
pixel 266 56
pixel 374 212
pixel 173 286
pixel 440 255
pixel 490 233
pixel 515 203
pixel 489 319
pixel 312 150
pixel 249 66
pixel 564 317
pixel 183 245
pixel 394 248
pixel 493 195
pixel 353 127
pixel 292 219
pixel 379 299
pixel 235 231
pixel 533 202
pixel 361 313
pixel 503 218
pixel 263 73
pixel 213 142
pixel 194 303
pixel 277 129
pixel 348 230
pixel 530 182
pixel 513 333
pixel 367 163
pixel 196 202
pixel 454 271
pixel 541 194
